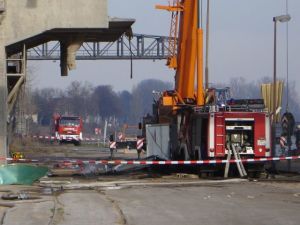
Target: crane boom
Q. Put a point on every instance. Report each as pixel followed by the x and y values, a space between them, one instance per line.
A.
pixel 188 60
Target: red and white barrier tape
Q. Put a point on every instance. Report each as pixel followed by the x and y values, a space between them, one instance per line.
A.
pixel 178 162
pixel 166 162
pixel 18 160
pixel 41 137
pixel 55 138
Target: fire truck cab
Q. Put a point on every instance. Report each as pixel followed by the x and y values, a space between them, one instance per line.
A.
pixel 68 129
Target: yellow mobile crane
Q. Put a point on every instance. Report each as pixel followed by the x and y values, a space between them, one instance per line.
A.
pixel 202 125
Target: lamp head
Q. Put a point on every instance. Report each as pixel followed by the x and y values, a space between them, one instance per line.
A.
pixel 282 18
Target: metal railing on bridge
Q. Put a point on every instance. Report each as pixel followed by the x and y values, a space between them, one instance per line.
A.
pixel 142 47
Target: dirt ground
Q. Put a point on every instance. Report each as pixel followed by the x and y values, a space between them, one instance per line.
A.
pixel 166 200
pixel 143 196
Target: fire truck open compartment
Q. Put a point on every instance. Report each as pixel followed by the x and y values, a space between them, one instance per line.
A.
pixel 241 135
pixel 199 135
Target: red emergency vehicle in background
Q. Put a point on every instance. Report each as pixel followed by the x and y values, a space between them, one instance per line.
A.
pixel 68 129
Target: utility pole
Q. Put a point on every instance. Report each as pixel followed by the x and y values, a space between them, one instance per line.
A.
pixel 104 133
pixel 207 45
pixel 282 19
pixel 3 87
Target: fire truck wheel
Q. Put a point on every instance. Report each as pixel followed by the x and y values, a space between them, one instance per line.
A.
pixel 254 174
pixel 77 143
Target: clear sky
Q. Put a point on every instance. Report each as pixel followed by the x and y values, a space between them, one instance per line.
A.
pixel 241 45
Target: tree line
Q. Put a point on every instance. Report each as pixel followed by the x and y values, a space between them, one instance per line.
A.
pixel 95 104
pixel 242 88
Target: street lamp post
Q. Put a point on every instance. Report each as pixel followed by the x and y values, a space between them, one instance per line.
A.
pixel 282 19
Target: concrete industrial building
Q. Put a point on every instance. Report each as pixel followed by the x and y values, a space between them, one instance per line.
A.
pixel 28 23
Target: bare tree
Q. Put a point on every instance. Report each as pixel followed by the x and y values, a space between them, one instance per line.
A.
pixel 143 97
pixel 45 101
pixel 126 103
pixel 107 101
pixel 79 96
pixel 242 88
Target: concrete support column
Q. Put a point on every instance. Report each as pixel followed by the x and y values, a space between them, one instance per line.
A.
pixel 3 96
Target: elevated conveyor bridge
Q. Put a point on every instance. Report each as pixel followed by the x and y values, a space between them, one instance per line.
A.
pixel 140 46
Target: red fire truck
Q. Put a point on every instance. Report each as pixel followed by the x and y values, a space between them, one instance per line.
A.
pixel 242 123
pixel 191 122
pixel 68 129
